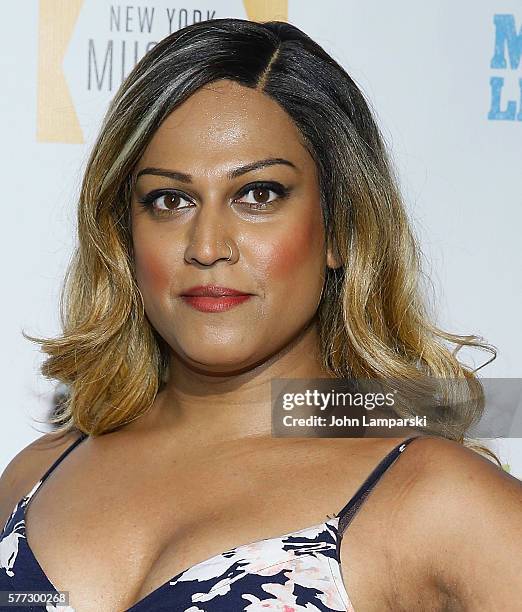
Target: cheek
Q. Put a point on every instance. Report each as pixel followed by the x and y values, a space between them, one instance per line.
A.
pixel 153 269
pixel 291 251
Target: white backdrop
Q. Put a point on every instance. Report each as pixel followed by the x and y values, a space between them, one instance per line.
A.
pixel 444 78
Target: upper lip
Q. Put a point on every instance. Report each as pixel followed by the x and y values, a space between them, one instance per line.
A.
pixel 212 291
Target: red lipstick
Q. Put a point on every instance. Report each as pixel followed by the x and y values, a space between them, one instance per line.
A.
pixel 213 298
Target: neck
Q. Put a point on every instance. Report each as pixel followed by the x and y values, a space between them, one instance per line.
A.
pixel 204 407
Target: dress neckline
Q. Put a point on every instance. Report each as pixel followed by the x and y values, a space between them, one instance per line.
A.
pixel 332 522
pixel 347 511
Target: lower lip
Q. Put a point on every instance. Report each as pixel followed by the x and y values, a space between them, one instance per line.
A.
pixel 214 304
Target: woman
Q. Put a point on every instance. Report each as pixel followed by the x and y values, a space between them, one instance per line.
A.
pixel 241 155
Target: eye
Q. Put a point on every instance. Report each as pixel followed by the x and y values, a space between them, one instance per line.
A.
pixel 260 194
pixel 163 201
pixel 169 201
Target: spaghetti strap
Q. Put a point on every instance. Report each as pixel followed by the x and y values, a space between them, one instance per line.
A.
pixel 348 512
pixel 63 455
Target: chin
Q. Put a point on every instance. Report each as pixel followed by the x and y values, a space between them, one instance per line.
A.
pixel 227 357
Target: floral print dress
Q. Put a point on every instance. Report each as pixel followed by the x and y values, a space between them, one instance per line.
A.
pixel 293 572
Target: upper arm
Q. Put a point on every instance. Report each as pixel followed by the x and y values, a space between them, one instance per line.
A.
pixel 471 514
pixel 27 467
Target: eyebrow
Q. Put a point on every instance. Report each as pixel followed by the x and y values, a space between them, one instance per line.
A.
pixel 231 174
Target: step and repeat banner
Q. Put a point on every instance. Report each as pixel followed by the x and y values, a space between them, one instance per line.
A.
pixel 443 78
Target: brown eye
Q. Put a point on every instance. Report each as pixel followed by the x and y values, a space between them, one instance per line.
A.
pixel 164 202
pixel 171 200
pixel 261 194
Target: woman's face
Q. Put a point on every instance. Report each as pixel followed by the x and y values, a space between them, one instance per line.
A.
pixel 205 199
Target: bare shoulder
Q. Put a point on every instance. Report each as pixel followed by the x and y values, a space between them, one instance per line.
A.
pixel 453 473
pixel 466 513
pixel 28 466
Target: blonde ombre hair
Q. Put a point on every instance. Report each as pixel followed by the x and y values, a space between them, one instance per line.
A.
pixel 372 318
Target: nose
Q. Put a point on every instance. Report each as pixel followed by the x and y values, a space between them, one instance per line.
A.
pixel 209 241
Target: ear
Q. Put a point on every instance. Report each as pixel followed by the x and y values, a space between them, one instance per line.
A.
pixel 333 260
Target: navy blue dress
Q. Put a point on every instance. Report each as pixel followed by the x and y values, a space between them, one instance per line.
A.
pixel 293 572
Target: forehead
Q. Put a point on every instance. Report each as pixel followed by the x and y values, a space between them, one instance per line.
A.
pixel 226 121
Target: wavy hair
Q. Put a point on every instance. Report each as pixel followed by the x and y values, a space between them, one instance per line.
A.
pixel 373 319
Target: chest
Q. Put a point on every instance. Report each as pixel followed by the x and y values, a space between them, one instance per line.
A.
pixel 126 529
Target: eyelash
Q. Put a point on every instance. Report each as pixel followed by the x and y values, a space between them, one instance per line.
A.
pixel 148 200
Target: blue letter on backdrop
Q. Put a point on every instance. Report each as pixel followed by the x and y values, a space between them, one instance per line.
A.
pixel 495 112
pixel 506 35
